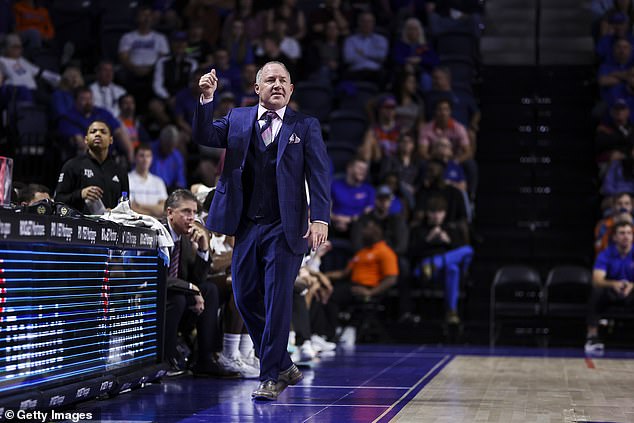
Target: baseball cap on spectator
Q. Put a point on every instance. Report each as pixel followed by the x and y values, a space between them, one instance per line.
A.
pixel 387 100
pixel 383 191
pixel 179 36
pixel 617 18
pixel 619 104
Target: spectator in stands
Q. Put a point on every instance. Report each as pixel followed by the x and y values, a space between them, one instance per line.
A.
pixel 168 162
pixel 621 209
pixel 156 118
pixel 410 103
pixel 11 95
pixel 406 164
pixel 245 93
pixel 323 57
pixel 351 196
pixel 34 25
pixel 226 102
pixel 444 126
pixel 188 290
pixel 615 138
pixel 329 11
pixel 185 103
pixel 623 93
pixel 228 76
pixel 174 71
pixel 131 123
pixel 434 186
pixel 439 252
pixel 139 51
pixel 381 138
pixel 92 177
pixel 618 27
pixel 32 193
pixel 619 177
pixel 288 13
pixel 454 175
pixel 254 22
pixel 402 203
pixel 395 233
pixel 240 47
pixel 394 227
pixel 74 124
pixel 615 72
pixel 365 51
pixel 105 92
pixel 271 51
pixel 207 15
pixel 412 54
pixel 166 15
pixel 609 12
pixel 63 98
pixel 147 191
pixel 612 282
pixel 197 47
pixel 288 45
pixel 463 105
pixel 367 277
pixel 18 71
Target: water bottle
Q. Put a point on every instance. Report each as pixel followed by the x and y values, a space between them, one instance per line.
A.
pixel 95 207
pixel 124 197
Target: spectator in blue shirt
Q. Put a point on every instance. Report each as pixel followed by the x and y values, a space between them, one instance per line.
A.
pixel 612 281
pixel 62 99
pixel 168 163
pixel 74 124
pixel 351 196
pixel 615 72
pixel 618 28
pixel 364 52
pixel 619 177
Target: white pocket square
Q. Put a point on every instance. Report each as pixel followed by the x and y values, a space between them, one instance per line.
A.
pixel 294 139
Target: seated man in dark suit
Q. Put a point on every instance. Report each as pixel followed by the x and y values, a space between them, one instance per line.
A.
pixel 189 294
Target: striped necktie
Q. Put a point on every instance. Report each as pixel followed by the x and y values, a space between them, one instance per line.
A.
pixel 175 259
pixel 267 129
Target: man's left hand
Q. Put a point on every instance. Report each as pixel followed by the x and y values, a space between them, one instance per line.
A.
pixel 198 235
pixel 317 234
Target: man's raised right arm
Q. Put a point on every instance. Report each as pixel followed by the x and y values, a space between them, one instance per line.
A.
pixel 204 130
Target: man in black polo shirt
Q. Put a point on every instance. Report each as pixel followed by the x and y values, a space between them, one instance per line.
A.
pixel 94 176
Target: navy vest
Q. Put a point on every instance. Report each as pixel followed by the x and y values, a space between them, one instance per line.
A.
pixel 259 179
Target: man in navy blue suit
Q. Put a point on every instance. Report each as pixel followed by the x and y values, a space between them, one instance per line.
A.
pixel 272 153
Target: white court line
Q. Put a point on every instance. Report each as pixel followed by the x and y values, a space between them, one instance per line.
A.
pixel 348 387
pixel 444 360
pixel 334 404
pixel 397 354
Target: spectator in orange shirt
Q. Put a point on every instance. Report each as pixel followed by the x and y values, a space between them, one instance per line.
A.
pixel 369 274
pixel 33 23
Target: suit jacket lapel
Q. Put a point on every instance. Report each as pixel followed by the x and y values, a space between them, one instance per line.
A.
pixel 288 125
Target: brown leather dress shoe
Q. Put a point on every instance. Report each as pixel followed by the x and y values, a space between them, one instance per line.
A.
pixel 291 376
pixel 268 390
